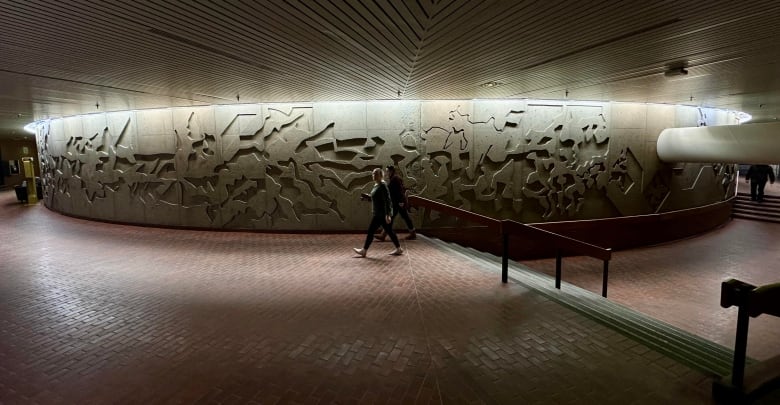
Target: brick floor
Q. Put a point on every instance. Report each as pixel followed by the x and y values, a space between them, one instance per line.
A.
pixel 99 313
pixel 680 282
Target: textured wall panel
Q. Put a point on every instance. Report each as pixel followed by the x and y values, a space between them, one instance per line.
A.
pixel 629 115
pixel 303 166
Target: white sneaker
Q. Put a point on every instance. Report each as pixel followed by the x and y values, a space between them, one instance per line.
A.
pixel 361 252
pixel 397 252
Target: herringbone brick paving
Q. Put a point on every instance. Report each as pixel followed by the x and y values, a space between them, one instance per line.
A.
pixel 98 313
pixel 680 282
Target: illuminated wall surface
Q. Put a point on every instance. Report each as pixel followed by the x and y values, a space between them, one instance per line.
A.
pixel 303 166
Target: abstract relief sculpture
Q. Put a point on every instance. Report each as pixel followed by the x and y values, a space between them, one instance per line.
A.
pixel 303 166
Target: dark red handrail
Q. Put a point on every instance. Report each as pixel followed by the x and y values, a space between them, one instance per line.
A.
pixel 492 223
pixel 507 228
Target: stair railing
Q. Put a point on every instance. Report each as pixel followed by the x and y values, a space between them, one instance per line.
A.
pixel 752 301
pixel 563 245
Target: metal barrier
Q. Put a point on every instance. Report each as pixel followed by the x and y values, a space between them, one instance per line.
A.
pixel 747 384
pixel 562 244
pixel 507 228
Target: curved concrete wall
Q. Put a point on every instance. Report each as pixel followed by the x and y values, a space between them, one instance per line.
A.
pixel 303 166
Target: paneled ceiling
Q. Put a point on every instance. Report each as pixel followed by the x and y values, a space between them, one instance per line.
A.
pixel 60 58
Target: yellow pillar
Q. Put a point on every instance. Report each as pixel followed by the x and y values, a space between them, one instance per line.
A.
pixel 29 174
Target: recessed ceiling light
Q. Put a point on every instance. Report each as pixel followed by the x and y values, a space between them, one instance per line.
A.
pixel 743 117
pixel 490 84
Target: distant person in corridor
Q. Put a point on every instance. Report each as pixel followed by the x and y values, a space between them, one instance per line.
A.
pixel 381 214
pixel 757 176
pixel 400 203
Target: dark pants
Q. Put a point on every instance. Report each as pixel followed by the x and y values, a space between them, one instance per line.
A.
pixel 397 209
pixel 376 222
pixel 757 190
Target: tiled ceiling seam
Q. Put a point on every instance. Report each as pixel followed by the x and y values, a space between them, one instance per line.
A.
pixel 442 51
pixel 346 82
pixel 61 44
pixel 348 68
pixel 499 71
pixel 579 73
pixel 367 75
pixel 455 35
pixel 326 53
pixel 398 16
pixel 378 32
pixel 424 22
pixel 461 44
pixel 284 53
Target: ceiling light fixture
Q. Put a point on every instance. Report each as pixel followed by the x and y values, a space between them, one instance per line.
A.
pixel 744 117
pixel 676 69
pixel 681 71
pixel 490 84
pixel 30 127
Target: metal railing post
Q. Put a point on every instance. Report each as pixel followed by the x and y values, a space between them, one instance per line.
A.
pixel 740 347
pixel 560 242
pixel 505 257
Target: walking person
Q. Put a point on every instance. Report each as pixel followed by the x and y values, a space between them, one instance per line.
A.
pixel 400 203
pixel 382 214
pixel 757 176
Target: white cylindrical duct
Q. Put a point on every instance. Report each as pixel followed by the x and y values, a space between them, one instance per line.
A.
pixel 747 143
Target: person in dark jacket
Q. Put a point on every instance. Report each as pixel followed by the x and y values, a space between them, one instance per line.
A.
pixel 398 197
pixel 381 214
pixel 757 176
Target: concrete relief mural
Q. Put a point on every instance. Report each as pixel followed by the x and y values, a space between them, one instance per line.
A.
pixel 303 166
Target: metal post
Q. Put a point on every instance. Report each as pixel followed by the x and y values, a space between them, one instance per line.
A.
pixel 604 281
pixel 740 346
pixel 505 258
pixel 558 270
